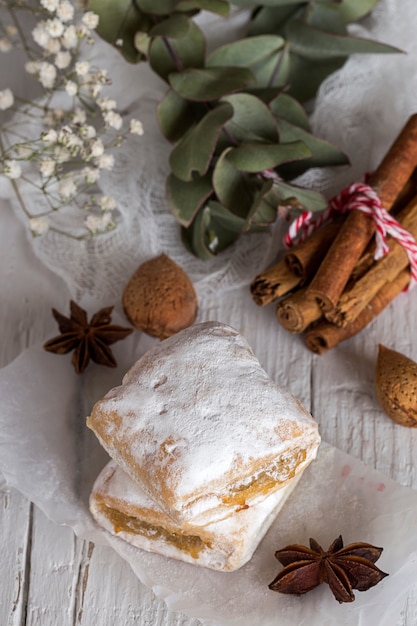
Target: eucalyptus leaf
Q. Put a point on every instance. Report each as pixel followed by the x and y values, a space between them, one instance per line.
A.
pixel 176 115
pixel 323 153
pixel 255 157
pixel 207 84
pixel 352 10
pixel 192 154
pixel 141 42
pixel 246 52
pixel 270 19
pixel 234 189
pixel 174 27
pixel 299 198
pixel 118 22
pixel 274 72
pixel 167 55
pixel 307 75
pixel 220 7
pixel 272 3
pixel 155 7
pixel 252 120
pixel 316 44
pixel 185 199
pixel 194 237
pixel 263 212
pixel 223 227
pixel 325 17
pixel 288 108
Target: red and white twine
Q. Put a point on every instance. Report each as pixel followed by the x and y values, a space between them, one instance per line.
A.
pixel 358 197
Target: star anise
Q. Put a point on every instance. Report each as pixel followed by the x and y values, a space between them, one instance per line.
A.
pixel 343 568
pixel 89 340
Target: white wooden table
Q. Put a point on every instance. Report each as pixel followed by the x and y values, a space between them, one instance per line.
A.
pixel 51 578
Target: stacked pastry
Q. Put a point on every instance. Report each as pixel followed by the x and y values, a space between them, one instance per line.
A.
pixel 205 449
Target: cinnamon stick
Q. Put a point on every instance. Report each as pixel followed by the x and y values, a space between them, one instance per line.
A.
pixel 306 257
pixel 296 266
pixel 275 282
pixel 388 181
pixel 353 301
pixel 295 313
pixel 326 335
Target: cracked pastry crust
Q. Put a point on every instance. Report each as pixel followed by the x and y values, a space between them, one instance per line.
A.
pixel 200 427
pixel 121 508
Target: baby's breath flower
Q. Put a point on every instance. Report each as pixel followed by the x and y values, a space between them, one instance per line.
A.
pixel 113 119
pixel 62 60
pixel 12 169
pixel 61 154
pixel 70 38
pixel 106 162
pixel 71 88
pixel 11 30
pixel 54 46
pixel 40 35
pixel 106 104
pixel 6 99
pixel 97 148
pixel 82 67
pixel 49 137
pixel 54 27
pixel 5 45
pixel 65 11
pixel 47 167
pixel 90 19
pixel 67 187
pixel 32 67
pixel 79 116
pixel 136 127
pixel 99 223
pixel 38 225
pixel 50 5
pixel 88 131
pixel 107 203
pixel 47 75
pixel 91 175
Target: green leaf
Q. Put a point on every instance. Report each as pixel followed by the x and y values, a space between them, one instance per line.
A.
pixel 141 42
pixel 325 17
pixel 246 52
pixel 210 83
pixel 299 198
pixel 234 189
pixel 352 10
pixel 119 21
pixel 174 27
pixel 270 19
pixel 255 157
pixel 252 120
pixel 223 228
pixel 316 44
pixel 288 108
pixel 263 212
pixel 194 237
pixel 167 55
pixel 193 153
pixel 219 7
pixel 185 199
pixel 307 75
pixel 323 153
pixel 159 7
pixel 176 115
pixel 271 3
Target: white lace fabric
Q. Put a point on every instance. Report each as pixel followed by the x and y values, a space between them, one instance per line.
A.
pixel 361 108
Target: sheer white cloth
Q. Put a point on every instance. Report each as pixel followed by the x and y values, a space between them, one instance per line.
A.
pixel 361 108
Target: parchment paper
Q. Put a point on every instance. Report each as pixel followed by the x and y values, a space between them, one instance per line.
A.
pixel 49 455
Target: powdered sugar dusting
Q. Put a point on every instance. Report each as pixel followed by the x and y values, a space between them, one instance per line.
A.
pixel 198 412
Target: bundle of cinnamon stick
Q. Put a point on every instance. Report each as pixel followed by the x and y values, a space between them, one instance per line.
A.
pixel 330 285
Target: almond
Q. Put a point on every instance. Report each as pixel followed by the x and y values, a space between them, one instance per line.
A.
pixel 159 298
pixel 396 386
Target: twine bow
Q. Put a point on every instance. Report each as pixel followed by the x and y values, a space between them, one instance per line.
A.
pixel 358 197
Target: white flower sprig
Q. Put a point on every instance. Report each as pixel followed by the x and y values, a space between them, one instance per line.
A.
pixel 74 142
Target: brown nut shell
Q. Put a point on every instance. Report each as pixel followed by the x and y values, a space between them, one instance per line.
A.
pixel 396 386
pixel 159 298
